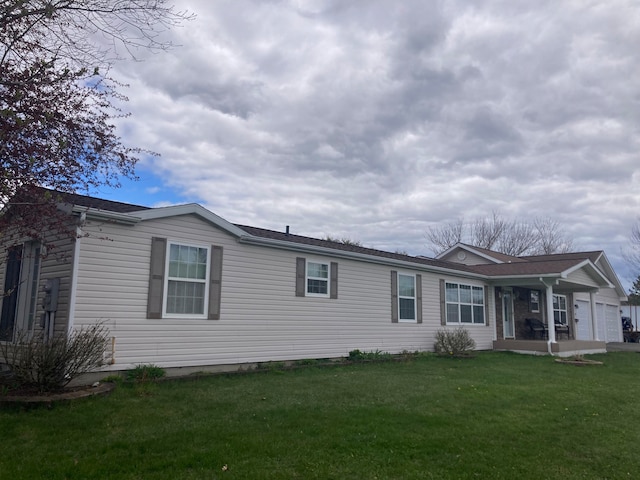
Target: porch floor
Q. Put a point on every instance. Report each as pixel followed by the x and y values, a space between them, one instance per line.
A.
pixel 561 348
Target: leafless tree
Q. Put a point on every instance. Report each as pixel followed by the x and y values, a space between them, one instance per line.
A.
pixel 517 238
pixel 57 100
pixel 632 253
pixel 445 236
pixel 550 237
pixel 509 236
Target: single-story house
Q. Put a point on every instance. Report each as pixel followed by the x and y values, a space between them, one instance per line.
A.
pixel 179 286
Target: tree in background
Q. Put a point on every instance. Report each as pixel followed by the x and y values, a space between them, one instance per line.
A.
pixel 632 253
pixel 343 240
pixel 634 293
pixel 514 237
pixel 57 101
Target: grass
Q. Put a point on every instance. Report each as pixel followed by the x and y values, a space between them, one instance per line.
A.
pixel 496 416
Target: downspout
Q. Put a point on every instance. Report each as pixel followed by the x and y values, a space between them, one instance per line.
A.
pixel 74 273
pixel 594 313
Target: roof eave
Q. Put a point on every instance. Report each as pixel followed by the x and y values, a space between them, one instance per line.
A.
pixel 191 209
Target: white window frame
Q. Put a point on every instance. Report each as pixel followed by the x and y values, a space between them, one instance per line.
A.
pixel 534 305
pixel 407 297
pixel 326 280
pixel 560 310
pixel 471 304
pixel 206 281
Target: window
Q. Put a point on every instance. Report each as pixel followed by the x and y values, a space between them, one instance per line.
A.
pixel 184 280
pixel 406 298
pixel 187 280
pixel 560 309
pixel 534 301
pixel 317 279
pixel 464 303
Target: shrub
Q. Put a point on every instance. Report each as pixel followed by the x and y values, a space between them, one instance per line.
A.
pixel 456 342
pixel 49 364
pixel 374 356
pixel 145 373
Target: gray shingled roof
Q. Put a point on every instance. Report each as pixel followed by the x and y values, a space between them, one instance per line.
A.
pixel 98 203
pixel 288 237
pixel 513 266
pixel 527 268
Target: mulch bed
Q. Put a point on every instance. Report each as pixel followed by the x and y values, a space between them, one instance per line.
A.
pixel 31 397
pixel 580 362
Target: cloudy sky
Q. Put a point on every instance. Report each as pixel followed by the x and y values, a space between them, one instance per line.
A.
pixel 374 120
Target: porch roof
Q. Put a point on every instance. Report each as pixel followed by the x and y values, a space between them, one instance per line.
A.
pixel 577 273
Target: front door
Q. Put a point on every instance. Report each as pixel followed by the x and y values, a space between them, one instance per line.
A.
pixel 583 320
pixel 507 314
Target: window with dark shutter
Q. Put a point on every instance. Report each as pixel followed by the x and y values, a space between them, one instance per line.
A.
pixel 181 277
pixel 316 278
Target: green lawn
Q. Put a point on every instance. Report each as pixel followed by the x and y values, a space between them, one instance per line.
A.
pixel 495 416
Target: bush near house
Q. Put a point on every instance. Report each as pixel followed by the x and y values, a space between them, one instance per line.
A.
pixel 40 364
pixel 457 342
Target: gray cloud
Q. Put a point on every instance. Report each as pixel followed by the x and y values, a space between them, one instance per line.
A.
pixel 374 120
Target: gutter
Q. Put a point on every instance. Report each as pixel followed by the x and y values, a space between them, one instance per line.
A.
pixel 105 215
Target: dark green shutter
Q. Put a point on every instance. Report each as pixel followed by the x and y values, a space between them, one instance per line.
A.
pixel 394 296
pixel 333 288
pixel 215 283
pixel 156 277
pixel 443 304
pixel 301 287
pixel 419 298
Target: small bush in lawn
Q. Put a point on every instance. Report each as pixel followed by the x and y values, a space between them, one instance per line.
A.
pixel 49 364
pixel 145 373
pixel 375 356
pixel 456 342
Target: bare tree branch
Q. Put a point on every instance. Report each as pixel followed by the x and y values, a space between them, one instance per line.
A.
pixel 511 237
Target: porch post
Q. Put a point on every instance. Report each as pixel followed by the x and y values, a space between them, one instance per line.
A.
pixel 594 319
pixel 551 329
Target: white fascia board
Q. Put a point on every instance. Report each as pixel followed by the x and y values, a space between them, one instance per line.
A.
pixel 612 276
pixel 314 249
pixel 470 250
pixel 106 215
pixel 188 209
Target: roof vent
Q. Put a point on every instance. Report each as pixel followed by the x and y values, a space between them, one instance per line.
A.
pixel 287 231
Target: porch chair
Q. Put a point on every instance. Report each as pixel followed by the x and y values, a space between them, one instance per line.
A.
pixel 562 329
pixel 537 327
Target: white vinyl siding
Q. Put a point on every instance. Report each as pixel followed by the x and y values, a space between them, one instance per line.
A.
pixel 261 318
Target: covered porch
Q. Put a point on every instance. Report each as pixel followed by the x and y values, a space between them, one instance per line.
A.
pixel 537 315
